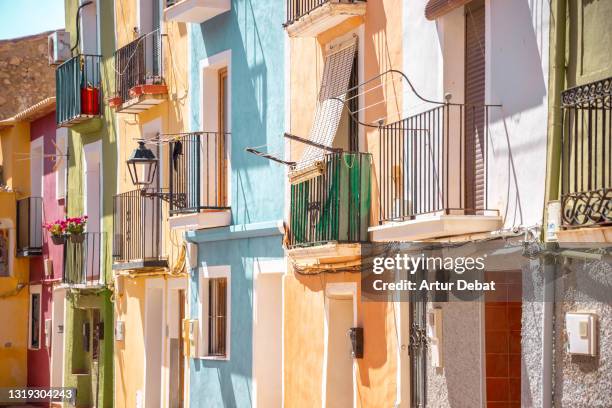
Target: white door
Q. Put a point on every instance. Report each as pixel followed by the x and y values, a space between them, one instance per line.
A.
pixel 267 340
pixel 57 338
pixel 93 197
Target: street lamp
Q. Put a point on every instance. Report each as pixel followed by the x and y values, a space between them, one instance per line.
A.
pixel 142 165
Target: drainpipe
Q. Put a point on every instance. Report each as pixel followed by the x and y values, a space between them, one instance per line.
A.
pixel 556 84
pixel 548 328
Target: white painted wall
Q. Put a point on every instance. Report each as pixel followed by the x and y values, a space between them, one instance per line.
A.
pixel 516 77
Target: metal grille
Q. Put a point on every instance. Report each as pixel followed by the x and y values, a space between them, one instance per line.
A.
pixel 78 90
pixel 332 94
pixel 422 164
pixel 198 169
pixel 586 180
pixel 83 260
pixel 137 227
pixel 334 206
pixel 138 63
pixel 299 8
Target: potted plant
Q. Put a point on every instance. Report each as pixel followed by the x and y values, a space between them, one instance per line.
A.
pixel 57 229
pixel 75 228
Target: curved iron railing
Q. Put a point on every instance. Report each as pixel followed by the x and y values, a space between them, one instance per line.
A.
pixel 586 174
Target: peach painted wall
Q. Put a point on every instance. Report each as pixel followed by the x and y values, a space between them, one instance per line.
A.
pixel 304 296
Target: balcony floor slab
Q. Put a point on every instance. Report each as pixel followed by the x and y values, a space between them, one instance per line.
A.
pixel 435 226
pixel 201 220
pixel 325 17
pixel 586 236
pixel 333 253
pixel 141 264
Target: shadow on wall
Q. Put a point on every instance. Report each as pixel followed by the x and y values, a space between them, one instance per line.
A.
pixel 516 51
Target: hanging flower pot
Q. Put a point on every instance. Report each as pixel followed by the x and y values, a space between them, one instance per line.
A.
pixel 58 239
pixel 77 238
pixel 75 227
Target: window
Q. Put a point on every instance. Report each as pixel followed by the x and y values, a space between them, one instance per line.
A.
pixel 60 165
pixel 217 315
pixel 4 252
pixel 34 326
pixel 215 302
pixel 223 120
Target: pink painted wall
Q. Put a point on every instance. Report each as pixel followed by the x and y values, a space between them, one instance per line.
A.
pixel 39 360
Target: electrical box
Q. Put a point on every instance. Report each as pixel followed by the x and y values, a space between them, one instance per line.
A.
pixel 356 336
pixel 48 267
pixel 553 220
pixel 119 330
pixel 48 333
pixel 58 45
pixel 581 331
pixel 190 338
pixel 434 333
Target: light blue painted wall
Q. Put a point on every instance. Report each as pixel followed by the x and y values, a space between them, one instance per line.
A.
pixel 229 383
pixel 253 32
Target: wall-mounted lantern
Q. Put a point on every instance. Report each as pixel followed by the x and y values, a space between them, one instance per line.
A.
pixel 142 165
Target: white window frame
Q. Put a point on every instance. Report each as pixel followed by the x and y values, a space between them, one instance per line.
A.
pixel 61 152
pixel 209 104
pixel 35 290
pixel 206 274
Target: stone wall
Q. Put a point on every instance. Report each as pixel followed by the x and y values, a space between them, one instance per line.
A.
pixel 25 75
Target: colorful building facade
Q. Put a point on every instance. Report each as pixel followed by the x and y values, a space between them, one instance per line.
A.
pixel 237 77
pixel 84 78
pixel 151 91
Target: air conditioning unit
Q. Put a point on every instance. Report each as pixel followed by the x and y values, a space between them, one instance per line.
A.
pixel 58 44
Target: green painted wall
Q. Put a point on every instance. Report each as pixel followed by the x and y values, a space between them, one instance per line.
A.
pixel 81 303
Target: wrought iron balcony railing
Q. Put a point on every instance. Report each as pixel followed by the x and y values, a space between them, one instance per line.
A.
pixel 29 226
pixel 299 8
pixel 137 240
pixel 139 63
pixel 435 162
pixel 84 260
pixel 198 173
pixel 78 91
pixel 586 180
pixel 334 206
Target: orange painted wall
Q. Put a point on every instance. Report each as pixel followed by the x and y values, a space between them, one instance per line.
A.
pixel 304 296
pixel 13 301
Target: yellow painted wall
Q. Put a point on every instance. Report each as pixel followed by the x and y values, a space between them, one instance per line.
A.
pixel 304 296
pixel 129 354
pixel 13 301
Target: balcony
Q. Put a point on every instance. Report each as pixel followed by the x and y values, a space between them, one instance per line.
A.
pixel 83 260
pixel 195 11
pixel 330 212
pixel 78 90
pixel 29 226
pixel 139 75
pixel 309 18
pixel 137 240
pixel 434 175
pixel 198 181
pixel 586 161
